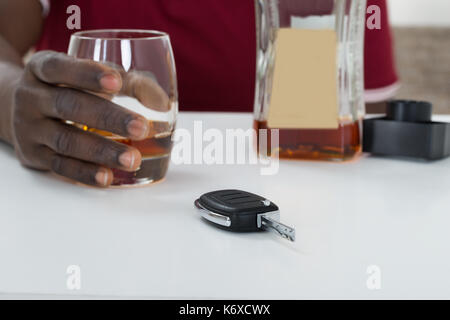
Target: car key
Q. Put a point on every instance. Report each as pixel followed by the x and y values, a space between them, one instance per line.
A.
pixel 237 210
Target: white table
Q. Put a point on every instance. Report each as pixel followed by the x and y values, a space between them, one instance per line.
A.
pixel 151 243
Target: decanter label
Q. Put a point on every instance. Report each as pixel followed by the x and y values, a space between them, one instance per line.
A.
pixel 304 89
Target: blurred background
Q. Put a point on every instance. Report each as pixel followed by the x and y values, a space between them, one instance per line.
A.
pixel 421 31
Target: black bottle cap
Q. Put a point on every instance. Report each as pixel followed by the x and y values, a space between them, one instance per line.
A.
pixel 410 111
pixel 407 131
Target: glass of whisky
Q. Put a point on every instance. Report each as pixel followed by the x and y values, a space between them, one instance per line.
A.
pixel 149 87
pixel 309 82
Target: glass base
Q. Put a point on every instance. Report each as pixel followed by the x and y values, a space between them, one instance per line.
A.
pixel 152 170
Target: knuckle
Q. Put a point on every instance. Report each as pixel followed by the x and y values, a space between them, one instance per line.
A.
pixel 65 103
pixel 22 95
pixel 105 152
pixel 48 64
pixel 17 119
pixel 25 114
pixel 63 142
pixel 96 150
pixel 23 99
pixel 31 156
pixel 57 164
pixel 27 97
pixel 35 59
pixel 27 161
pixel 116 120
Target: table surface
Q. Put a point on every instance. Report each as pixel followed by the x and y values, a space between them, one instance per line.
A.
pixel 150 242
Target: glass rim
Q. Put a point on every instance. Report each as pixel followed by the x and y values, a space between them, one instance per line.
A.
pixel 152 34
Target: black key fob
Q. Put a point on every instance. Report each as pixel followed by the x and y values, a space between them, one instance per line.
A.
pixel 242 211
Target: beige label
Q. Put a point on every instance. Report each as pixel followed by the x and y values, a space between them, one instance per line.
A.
pixel 304 93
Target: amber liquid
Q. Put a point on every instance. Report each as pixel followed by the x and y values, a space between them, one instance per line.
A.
pixel 339 144
pixel 155 157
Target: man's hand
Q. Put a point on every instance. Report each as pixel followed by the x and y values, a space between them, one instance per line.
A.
pixel 54 87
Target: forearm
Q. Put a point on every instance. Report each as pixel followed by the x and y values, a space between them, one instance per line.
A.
pixel 20 28
pixel 11 70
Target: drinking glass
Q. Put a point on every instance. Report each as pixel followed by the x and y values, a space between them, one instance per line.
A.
pixel 145 61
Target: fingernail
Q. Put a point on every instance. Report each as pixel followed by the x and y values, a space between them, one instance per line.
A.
pixel 138 128
pixel 110 82
pixel 127 159
pixel 102 177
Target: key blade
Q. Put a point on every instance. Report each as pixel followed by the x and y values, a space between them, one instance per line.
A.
pixel 282 229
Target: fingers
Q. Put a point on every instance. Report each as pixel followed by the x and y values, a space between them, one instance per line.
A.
pixel 67 140
pixel 60 69
pixel 78 170
pixel 144 88
pixel 57 68
pixel 93 111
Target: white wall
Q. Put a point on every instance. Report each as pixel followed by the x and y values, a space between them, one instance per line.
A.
pixel 419 12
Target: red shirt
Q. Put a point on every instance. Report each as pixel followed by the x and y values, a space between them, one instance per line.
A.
pixel 213 41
